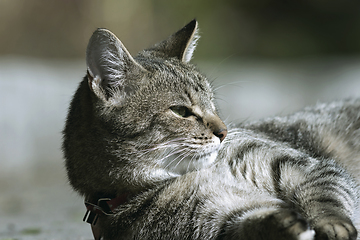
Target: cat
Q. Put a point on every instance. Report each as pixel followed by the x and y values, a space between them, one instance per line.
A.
pixel 145 146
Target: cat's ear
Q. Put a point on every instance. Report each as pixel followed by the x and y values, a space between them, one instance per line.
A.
pixel 181 44
pixel 111 68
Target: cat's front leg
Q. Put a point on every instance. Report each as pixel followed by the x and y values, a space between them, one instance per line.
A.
pixel 319 189
pixel 326 195
pixel 257 214
pixel 267 223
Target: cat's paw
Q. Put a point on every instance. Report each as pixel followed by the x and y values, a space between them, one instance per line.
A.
pixel 332 228
pixel 261 224
pixel 287 224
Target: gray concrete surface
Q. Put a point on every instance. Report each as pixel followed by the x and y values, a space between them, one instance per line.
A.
pixel 35 199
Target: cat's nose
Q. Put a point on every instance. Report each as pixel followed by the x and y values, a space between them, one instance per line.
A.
pixel 214 123
pixel 221 134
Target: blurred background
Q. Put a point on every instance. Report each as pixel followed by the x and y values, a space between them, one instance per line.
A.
pixel 263 57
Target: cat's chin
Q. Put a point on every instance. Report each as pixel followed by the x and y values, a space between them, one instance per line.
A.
pixel 193 163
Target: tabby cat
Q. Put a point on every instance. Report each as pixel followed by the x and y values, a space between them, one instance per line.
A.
pixel 144 132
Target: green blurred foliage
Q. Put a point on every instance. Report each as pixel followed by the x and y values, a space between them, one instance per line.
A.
pixel 262 28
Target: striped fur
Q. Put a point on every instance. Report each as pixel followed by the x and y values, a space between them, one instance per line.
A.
pixel 284 178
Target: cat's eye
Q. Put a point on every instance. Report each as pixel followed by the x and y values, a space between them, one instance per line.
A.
pixel 181 111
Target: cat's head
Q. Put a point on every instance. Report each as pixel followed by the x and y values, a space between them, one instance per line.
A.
pixel 153 111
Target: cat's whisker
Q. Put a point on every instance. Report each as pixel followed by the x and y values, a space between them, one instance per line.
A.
pixel 216 163
pixel 172 140
pixel 169 152
pixel 169 155
pixel 190 162
pixel 230 84
pixel 169 143
pixel 157 148
pixel 228 122
pixel 162 146
pixel 217 97
pixel 183 155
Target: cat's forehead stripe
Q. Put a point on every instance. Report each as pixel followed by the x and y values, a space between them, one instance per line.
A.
pixel 197 111
pixel 190 97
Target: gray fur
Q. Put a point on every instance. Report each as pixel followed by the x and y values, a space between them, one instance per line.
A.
pixel 293 177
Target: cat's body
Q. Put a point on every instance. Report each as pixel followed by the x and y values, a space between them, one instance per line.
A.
pixel 147 128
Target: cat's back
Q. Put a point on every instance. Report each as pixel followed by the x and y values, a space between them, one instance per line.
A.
pixel 326 130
